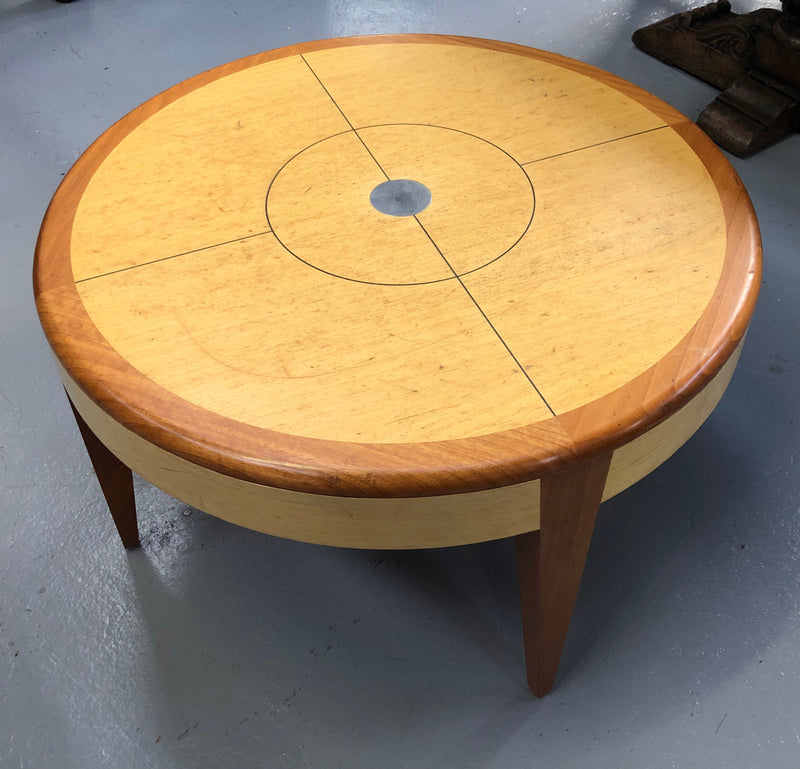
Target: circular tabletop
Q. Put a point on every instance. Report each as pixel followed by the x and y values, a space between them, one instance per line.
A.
pixel 397 266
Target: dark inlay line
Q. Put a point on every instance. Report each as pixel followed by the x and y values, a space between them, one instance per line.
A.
pixel 599 144
pixel 433 242
pixel 486 317
pixel 172 256
pixel 341 112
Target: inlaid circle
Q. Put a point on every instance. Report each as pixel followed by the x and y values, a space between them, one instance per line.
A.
pixel 477 202
pixel 400 197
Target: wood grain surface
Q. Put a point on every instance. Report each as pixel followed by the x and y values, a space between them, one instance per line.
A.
pixel 364 522
pixel 212 277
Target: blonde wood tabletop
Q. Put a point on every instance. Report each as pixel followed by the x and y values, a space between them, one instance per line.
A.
pixel 565 277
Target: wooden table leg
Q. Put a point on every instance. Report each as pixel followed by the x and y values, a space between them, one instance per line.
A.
pixel 550 564
pixel 116 481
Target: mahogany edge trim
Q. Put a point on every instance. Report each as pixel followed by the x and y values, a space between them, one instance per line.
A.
pixel 377 470
pixel 710 342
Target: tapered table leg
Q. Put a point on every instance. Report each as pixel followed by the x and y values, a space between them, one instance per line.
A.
pixel 550 564
pixel 116 482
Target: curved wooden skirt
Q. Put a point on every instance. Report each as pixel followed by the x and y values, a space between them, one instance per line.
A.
pixel 387 523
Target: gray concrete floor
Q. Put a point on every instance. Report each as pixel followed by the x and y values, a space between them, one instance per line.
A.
pixel 213 646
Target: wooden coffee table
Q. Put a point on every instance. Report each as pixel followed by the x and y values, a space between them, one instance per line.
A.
pixel 399 292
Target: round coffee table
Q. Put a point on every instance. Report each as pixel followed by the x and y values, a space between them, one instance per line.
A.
pixel 399 292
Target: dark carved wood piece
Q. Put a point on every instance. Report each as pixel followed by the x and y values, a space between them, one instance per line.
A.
pixel 116 482
pixel 753 58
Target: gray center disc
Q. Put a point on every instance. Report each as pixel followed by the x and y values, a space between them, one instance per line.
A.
pixel 400 197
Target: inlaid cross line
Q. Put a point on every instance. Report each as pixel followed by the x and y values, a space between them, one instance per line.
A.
pixel 450 267
pixel 347 120
pixel 596 144
pixel 173 256
pixel 486 318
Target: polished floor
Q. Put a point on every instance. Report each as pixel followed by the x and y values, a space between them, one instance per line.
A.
pixel 213 646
